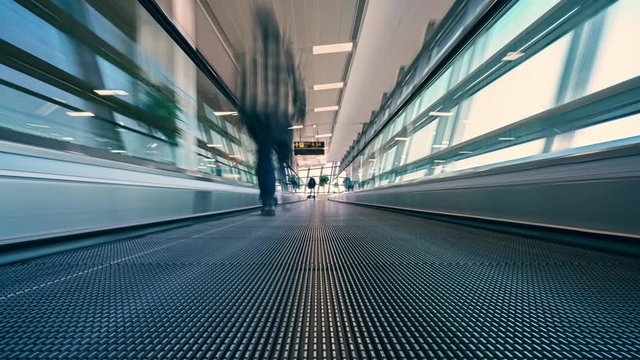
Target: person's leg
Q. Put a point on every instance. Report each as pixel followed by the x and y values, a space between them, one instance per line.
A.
pixel 266 176
pixel 283 159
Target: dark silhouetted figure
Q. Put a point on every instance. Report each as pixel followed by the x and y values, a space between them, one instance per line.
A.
pixel 312 188
pixel 272 99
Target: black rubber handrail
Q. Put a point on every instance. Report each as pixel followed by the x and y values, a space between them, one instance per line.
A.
pixel 201 63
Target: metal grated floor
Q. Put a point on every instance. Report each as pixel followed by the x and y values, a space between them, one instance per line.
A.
pixel 323 280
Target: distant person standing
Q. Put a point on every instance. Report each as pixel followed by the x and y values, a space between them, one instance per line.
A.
pixel 348 184
pixel 272 99
pixel 312 188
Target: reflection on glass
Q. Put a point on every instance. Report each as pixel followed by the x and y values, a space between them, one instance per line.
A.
pixel 105 76
pixel 455 125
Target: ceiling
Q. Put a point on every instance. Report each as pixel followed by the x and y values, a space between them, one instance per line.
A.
pixel 386 35
pixel 392 34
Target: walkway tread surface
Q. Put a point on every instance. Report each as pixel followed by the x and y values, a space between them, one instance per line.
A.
pixel 322 280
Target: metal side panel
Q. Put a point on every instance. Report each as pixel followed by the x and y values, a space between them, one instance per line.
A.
pixel 47 193
pixel 600 196
pixel 34 208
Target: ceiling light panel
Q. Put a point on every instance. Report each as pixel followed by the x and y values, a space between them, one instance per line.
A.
pixel 328 86
pixel 326 108
pixel 332 48
pixel 440 113
pixel 513 56
pixel 111 92
pixel 80 113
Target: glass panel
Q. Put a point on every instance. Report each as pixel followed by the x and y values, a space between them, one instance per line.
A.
pixel 518 94
pixel 486 126
pixel 420 143
pixel 117 85
pixel 618 129
pixel 500 156
pixel 616 59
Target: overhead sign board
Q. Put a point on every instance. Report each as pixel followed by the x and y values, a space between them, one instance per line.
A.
pixel 308 147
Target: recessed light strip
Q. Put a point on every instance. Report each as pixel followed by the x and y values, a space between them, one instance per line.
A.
pixel 440 113
pixel 511 56
pixel 80 113
pixel 332 48
pixel 326 108
pixel 107 92
pixel 328 86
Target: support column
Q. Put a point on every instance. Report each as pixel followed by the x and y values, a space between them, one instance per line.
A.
pixel 185 77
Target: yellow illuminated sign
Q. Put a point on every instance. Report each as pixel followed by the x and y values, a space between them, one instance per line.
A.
pixel 308 144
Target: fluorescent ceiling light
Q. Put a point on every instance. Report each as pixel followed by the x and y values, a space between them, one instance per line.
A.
pixel 80 113
pixel 296 127
pixel 223 113
pixel 328 86
pixel 513 56
pixel 332 48
pixel 402 139
pixel 440 113
pixel 506 138
pixel 466 152
pixel 439 146
pixel 68 138
pixel 214 145
pixel 119 151
pixel 323 135
pixel 111 92
pixel 326 108
pixel 38 126
pixel 206 159
pixel 438 161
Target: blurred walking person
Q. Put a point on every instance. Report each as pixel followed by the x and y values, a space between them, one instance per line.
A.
pixel 272 99
pixel 312 188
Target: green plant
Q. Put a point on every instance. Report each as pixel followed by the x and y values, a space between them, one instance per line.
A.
pixel 324 180
pixel 163 110
pixel 294 182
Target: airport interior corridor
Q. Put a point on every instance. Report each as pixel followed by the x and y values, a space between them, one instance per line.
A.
pixel 322 279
